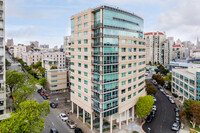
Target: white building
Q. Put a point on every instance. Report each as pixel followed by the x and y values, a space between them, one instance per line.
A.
pixel 178 52
pixel 186 82
pixel 157 48
pixel 34 57
pixel 18 50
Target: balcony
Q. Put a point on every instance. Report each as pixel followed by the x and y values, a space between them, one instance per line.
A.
pixel 97 53
pixel 96 80
pixel 97 71
pixel 97 44
pixel 95 89
pixel 111 62
pixel 96 35
pixel 95 26
pixel 109 98
pixel 110 71
pixel 115 88
pixel 97 108
pixel 108 44
pixel 109 81
pixel 112 107
pixel 97 98
pixel 104 54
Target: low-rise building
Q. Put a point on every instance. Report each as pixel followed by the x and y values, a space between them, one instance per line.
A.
pixel 186 83
pixel 56 80
pixel 48 63
pixel 18 50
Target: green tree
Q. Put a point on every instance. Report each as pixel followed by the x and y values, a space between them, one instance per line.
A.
pixel 38 64
pixel 144 105
pixel 54 67
pixel 13 78
pixel 8 63
pixel 151 90
pixel 43 82
pixel 168 77
pixel 27 119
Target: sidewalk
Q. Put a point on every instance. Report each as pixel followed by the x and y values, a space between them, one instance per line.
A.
pixel 85 127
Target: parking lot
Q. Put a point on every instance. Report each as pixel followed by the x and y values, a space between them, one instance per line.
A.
pixel 164 116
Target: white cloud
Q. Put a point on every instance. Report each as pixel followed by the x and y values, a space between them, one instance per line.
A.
pixel 181 21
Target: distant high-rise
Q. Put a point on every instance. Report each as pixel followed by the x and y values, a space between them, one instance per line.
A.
pixel 34 44
pixel 198 43
pixel 157 48
pixel 107 65
pixel 10 43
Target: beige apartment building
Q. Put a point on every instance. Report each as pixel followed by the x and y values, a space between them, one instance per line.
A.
pixel 56 80
pixel 157 48
pixel 18 50
pixel 3 110
pixel 34 57
pixel 178 52
pixel 107 65
pixel 48 63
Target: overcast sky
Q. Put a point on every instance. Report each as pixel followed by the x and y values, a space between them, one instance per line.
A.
pixel 47 21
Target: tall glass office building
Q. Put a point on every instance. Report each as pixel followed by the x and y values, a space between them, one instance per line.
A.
pixel 107 65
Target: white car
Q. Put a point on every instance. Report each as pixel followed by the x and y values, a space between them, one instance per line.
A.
pixel 63 117
pixel 154 107
pixel 154 99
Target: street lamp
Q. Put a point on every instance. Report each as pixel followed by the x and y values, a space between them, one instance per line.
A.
pixel 149 129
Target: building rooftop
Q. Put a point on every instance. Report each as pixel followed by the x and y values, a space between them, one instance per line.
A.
pixel 57 70
pixel 184 71
pixel 49 60
pixel 154 33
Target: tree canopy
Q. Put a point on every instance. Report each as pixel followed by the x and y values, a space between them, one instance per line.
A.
pixel 54 67
pixel 38 64
pixel 144 105
pixel 43 82
pixel 8 63
pixel 27 119
pixel 161 69
pixel 150 89
pixel 159 79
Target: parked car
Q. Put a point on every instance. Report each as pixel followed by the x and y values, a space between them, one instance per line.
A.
pixel 53 105
pixel 172 101
pixel 177 119
pixel 153 113
pixel 71 124
pixel 177 115
pixel 39 90
pixel 63 117
pixel 154 108
pixel 149 119
pixel 53 130
pixel 175 126
pixel 154 99
pixel 45 97
pixel 78 130
pixel 161 90
pixel 176 109
pixel 42 93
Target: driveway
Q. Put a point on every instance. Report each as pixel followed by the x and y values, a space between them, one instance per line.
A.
pixel 164 117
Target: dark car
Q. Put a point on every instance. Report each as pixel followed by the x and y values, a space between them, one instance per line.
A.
pixel 149 119
pixel 53 130
pixel 153 113
pixel 176 109
pixel 78 130
pixel 39 90
pixel 45 97
pixel 53 105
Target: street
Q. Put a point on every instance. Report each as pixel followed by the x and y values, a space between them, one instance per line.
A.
pixel 52 120
pixel 164 117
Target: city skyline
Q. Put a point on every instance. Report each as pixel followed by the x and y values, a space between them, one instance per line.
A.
pixel 35 20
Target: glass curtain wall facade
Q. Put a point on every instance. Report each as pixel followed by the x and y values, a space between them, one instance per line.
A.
pixel 107 28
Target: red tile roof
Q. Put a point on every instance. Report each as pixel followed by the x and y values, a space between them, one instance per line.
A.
pixel 153 33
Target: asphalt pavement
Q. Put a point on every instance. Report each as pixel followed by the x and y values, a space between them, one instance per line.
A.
pixel 165 115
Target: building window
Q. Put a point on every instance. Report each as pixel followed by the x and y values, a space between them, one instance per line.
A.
pixel 53 76
pixel 135 50
pixel 123 49
pixel 123 91
pixel 53 81
pixel 123 99
pixel 129 96
pixel 129 88
pixel 123 74
pixel 85 57
pixel 79 56
pixel 123 66
pixel 85 41
pixel 79 34
pixel 129 49
pixel 86 24
pixel 123 41
pixel 123 82
pixel 85 90
pixel 79 49
pixel 79 26
pixel 79 79
pixel 79 64
pixel 85 66
pixel 123 57
pixel 72 84
pixel 79 94
pixel 79 41
pixel 134 64
pixel 85 74
pixel 85 82
pixel 53 86
pixel 129 57
pixel 79 18
pixel 129 65
pixel 134 56
pixel 85 16
pixel 85 32
pixel 85 98
pixel 129 73
pixel 79 72
pixel 85 49
pixel 129 81
pixel 79 87
pixel 135 42
pixel 134 93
